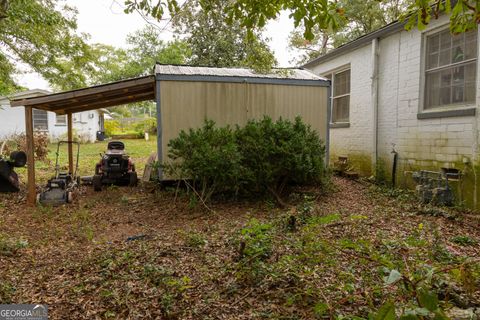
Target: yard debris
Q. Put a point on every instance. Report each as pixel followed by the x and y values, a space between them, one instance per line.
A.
pixel 240 262
pixel 138 237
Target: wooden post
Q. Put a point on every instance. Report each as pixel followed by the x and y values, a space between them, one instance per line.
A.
pixel 70 145
pixel 31 188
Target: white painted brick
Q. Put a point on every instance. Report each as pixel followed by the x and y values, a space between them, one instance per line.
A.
pixel 435 141
pixel 456 127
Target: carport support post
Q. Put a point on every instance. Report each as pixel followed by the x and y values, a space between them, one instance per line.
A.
pixel 70 145
pixel 31 189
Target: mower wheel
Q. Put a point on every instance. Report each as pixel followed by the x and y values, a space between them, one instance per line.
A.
pixel 69 197
pixel 97 182
pixel 19 158
pixel 133 179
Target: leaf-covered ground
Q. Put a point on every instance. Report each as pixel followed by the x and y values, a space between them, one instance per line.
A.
pixel 142 254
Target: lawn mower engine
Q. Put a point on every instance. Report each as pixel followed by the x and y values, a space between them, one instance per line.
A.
pixel 115 168
pixel 9 178
pixel 58 190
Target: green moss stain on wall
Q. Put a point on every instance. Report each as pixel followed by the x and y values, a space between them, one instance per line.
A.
pixel 466 194
pixel 360 163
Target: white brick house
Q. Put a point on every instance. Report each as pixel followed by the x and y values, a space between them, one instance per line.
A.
pixel 415 91
pixel 12 120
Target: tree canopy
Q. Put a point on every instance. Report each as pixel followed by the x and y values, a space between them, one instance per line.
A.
pixel 362 17
pixel 322 14
pixel 145 48
pixel 41 34
pixel 216 41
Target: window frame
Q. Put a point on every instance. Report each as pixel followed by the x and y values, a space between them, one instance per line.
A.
pixel 36 127
pixel 60 124
pixel 450 110
pixel 331 74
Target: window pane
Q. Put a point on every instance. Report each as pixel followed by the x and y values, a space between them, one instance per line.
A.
pixel 450 86
pixel 61 119
pixel 471 44
pixel 432 60
pixel 341 109
pixel 470 92
pixel 445 57
pixel 341 83
pixel 444 48
pixel 432 90
pixel 454 81
pixel 445 40
pixel 40 119
pixel 458 52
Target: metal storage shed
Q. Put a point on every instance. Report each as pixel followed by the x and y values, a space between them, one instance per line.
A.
pixel 186 96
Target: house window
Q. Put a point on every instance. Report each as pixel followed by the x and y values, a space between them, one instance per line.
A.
pixel 40 119
pixel 450 69
pixel 340 96
pixel 61 120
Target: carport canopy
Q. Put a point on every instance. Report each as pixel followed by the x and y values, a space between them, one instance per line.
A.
pixel 85 99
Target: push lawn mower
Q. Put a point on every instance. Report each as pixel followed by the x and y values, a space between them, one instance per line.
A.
pixel 9 178
pixel 115 167
pixel 59 189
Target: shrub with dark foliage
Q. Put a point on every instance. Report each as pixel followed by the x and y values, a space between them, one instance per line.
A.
pixel 280 153
pixel 210 157
pixel 264 156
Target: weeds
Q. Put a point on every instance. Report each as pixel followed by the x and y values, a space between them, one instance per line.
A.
pixel 194 240
pixel 9 247
pixel 464 241
pixel 6 292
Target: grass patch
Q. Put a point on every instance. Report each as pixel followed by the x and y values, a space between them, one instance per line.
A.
pixel 138 149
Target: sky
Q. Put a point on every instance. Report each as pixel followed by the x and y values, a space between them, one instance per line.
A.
pixel 105 22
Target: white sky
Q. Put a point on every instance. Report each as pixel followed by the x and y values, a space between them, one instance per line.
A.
pixel 105 22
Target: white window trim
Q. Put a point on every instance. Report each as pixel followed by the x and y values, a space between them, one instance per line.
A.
pixel 423 62
pixel 40 129
pixel 60 124
pixel 332 74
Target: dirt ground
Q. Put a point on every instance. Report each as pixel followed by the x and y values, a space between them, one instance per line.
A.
pixel 146 253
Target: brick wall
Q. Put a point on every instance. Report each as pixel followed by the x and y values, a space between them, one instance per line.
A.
pixel 450 142
pixel 355 141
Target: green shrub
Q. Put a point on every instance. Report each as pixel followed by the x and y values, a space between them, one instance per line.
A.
pixel 149 125
pixel 262 157
pixel 280 153
pixel 210 157
pixel 111 127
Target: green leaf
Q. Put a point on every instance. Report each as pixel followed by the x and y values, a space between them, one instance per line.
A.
pixel 393 277
pixel 439 315
pixel 386 312
pixel 427 299
pixel 409 316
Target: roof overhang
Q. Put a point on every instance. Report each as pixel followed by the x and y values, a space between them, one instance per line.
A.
pixel 92 98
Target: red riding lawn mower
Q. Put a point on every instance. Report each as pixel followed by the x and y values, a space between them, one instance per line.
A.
pixel 115 168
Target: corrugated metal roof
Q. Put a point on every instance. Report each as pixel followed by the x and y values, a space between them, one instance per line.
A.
pixel 292 74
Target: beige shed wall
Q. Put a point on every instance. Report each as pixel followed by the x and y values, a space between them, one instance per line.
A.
pixel 186 105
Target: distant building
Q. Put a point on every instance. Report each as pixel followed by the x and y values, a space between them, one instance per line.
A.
pixel 12 120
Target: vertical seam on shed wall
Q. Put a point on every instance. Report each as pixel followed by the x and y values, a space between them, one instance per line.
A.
pixel 159 130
